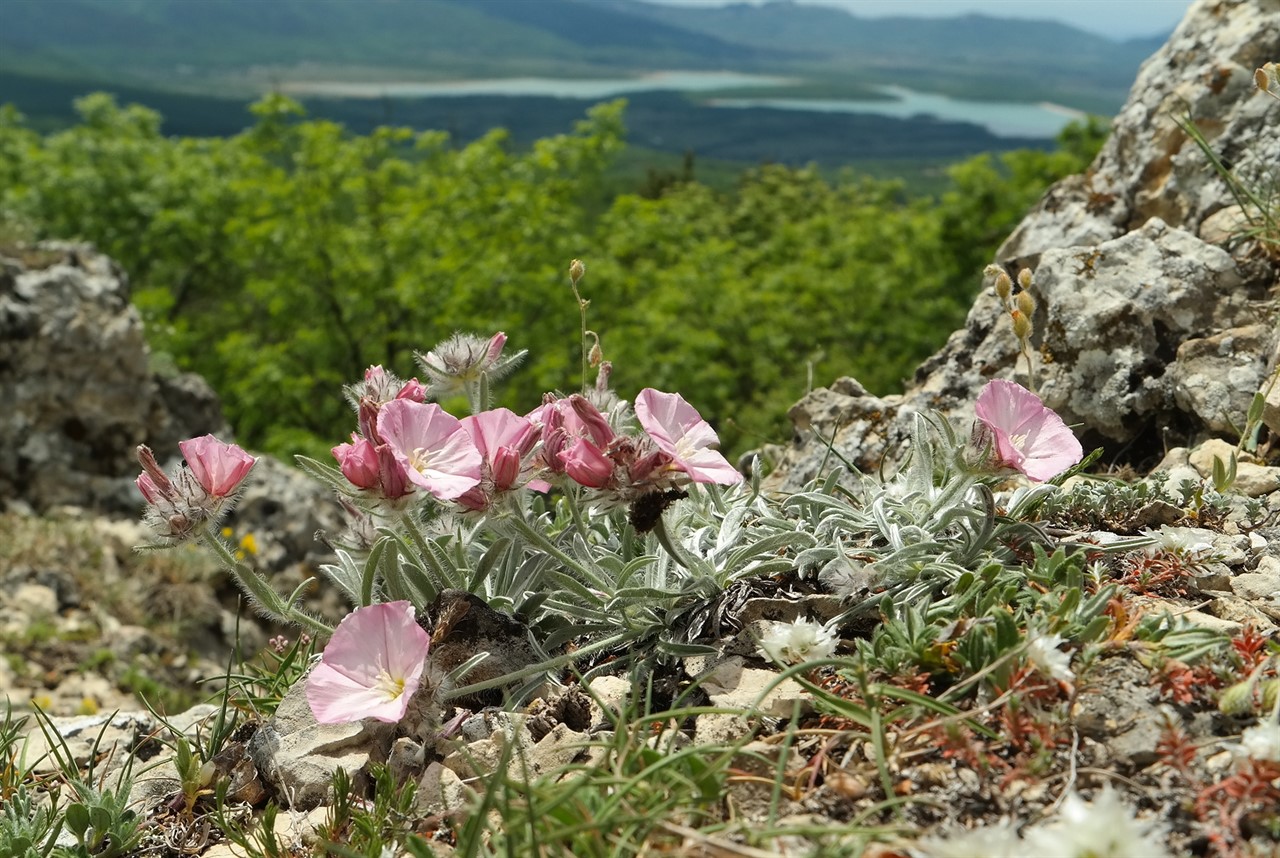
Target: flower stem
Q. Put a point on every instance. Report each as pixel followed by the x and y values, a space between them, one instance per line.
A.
pixel 582 313
pixel 259 590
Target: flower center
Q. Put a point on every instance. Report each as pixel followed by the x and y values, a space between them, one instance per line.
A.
pixel 418 459
pixel 391 686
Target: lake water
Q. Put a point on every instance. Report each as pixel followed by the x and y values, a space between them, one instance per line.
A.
pixel 544 86
pixel 1004 119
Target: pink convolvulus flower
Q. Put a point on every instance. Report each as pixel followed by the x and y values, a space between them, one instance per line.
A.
pixel 179 504
pixel 219 468
pixel 1028 437
pixel 373 467
pixel 680 432
pixel 504 439
pixel 436 452
pixel 371 666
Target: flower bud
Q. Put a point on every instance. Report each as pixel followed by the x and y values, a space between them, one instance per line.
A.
pixel 596 424
pixel 586 464
pixel 150 491
pixel 412 390
pixel 358 462
pixel 992 270
pixel 1021 324
pixel 1024 278
pixel 1004 286
pixel 157 483
pixel 576 270
pixel 1026 303
pixel 506 468
pixel 496 342
pixel 1237 699
pixel 603 374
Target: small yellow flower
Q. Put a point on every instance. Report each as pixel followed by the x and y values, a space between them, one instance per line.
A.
pixel 227 533
pixel 249 543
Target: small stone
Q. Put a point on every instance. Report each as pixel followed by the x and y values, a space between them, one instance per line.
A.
pixel 35 600
pixel 1261 586
pixel 731 685
pixel 440 792
pixel 1212 623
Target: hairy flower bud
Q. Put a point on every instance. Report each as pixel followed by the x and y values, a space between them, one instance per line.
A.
pixel 1004 286
pixel 1021 324
pixel 596 424
pixel 1026 303
pixel 1024 278
pixel 602 375
pixel 576 270
pixel 412 390
pixel 156 483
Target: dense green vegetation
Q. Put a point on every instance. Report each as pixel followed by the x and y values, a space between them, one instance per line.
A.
pixel 287 258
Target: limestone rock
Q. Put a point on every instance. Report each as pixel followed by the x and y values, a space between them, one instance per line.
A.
pixel 1252 479
pixel 1261 585
pixel 78 389
pixel 1145 322
pixel 1149 167
pixel 298 757
pixel 732 685
pixel 1215 377
pixel 1115 707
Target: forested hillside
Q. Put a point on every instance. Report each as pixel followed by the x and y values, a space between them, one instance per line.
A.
pixel 286 259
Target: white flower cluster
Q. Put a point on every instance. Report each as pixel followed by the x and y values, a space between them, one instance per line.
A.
pixel 1043 652
pixel 1262 743
pixel 793 643
pixel 1194 543
pixel 1103 828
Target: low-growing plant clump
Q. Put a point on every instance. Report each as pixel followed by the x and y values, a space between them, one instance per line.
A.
pixel 938 646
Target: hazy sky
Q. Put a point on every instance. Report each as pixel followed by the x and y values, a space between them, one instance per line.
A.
pixel 1116 18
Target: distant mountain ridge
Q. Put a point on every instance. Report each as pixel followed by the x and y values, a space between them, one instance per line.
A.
pixel 223 46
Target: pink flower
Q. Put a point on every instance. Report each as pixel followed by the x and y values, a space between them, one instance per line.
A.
pixel 503 438
pixel 371 666
pixel 372 467
pixel 565 421
pixel 219 468
pixel 431 445
pixel 586 464
pixel 680 432
pixel 1028 437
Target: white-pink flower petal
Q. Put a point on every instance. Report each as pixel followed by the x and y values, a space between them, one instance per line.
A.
pixel 678 430
pixel 1029 437
pixel 371 666
pixel 437 453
